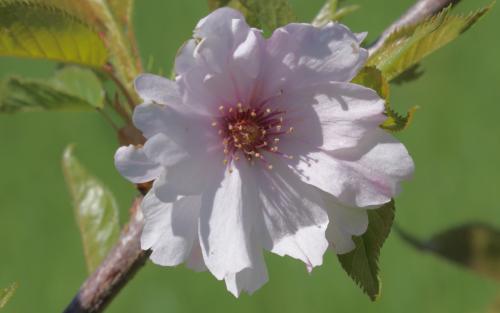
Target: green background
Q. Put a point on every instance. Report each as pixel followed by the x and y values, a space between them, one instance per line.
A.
pixel 455 141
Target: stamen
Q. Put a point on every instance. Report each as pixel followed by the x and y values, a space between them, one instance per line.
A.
pixel 214 124
pixel 270 167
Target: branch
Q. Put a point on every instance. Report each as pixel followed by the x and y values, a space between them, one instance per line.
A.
pixel 121 264
pixel 421 10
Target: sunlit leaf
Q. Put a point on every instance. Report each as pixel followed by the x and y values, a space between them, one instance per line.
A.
pixel 81 83
pixel 474 246
pixel 372 78
pixel 101 16
pixel 409 45
pixel 6 294
pixel 362 263
pixel 95 208
pixel 396 122
pixel 39 31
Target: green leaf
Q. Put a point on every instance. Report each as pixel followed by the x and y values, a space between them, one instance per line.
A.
pixel 362 263
pixel 122 11
pixel 81 83
pixel 71 89
pixel 7 293
pixel 266 14
pixel 331 12
pixel 475 246
pixel 18 95
pixel 38 31
pixel 396 122
pixel 409 45
pixel 372 78
pixel 95 208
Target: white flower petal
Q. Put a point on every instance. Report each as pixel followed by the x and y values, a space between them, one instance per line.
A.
pixel 187 129
pixel 134 165
pixel 223 66
pixel 191 176
pixel 332 116
pixel 249 279
pixel 153 88
pixel 345 222
pixel 294 215
pixel 227 216
pixel 163 150
pixel 170 229
pixel 366 175
pixel 315 55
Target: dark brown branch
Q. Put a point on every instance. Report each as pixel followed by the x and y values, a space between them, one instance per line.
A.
pixel 418 12
pixel 121 264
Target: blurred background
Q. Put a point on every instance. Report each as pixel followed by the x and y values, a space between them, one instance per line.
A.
pixel 454 139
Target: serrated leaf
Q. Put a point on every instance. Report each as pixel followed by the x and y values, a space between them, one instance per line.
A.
pixel 396 122
pixel 98 14
pixel 7 293
pixel 475 246
pixel 38 31
pixel 96 210
pixel 372 78
pixel 361 264
pixel 409 45
pixel 17 95
pixel 266 14
pixel 81 83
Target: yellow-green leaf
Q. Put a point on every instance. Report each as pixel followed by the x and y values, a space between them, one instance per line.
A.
pixel 39 31
pixel 372 78
pixel 475 246
pixel 96 210
pixel 362 263
pixel 7 293
pixel 409 45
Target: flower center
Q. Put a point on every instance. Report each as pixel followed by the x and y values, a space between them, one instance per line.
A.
pixel 249 131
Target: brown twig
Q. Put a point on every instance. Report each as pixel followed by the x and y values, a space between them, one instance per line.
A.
pixel 121 264
pixel 421 10
pixel 126 258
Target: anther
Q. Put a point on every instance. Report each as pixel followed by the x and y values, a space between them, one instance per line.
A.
pixel 214 124
pixel 290 130
pixel 221 108
pixel 269 167
pixel 253 114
